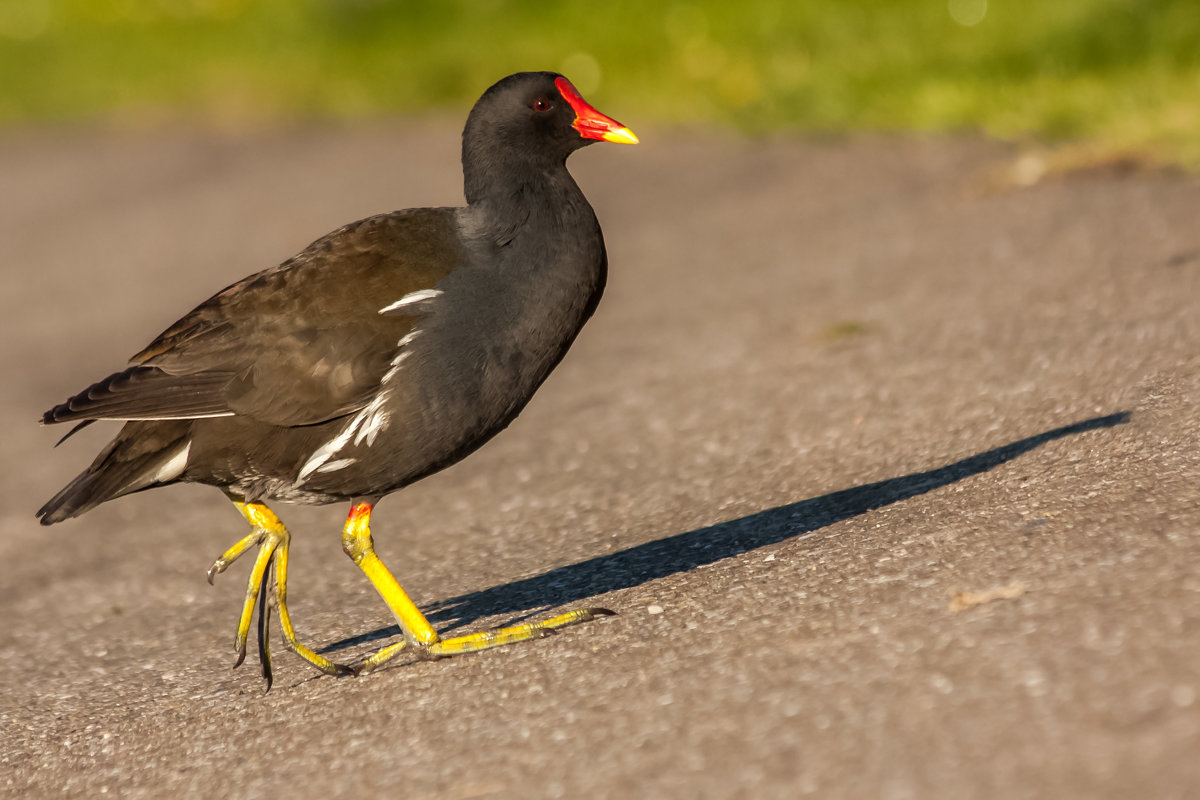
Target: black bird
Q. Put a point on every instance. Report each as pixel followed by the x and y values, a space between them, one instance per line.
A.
pixel 385 351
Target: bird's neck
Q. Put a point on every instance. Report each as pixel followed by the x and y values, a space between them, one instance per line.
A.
pixel 496 179
pixel 504 200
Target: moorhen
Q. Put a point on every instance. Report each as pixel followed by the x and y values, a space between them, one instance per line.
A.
pixel 387 350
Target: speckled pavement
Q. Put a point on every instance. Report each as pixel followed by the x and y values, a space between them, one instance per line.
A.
pixel 892 475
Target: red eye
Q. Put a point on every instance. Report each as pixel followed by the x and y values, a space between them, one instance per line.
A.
pixel 541 104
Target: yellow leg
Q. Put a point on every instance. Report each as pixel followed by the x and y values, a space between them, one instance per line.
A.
pixel 273 541
pixel 418 633
pixel 357 543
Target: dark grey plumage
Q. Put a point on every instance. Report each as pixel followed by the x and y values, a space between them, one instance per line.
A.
pixel 291 385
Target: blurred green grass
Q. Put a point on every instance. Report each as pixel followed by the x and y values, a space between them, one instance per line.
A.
pixel 1116 78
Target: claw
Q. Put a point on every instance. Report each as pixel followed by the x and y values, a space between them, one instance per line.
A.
pixel 267 590
pixel 264 639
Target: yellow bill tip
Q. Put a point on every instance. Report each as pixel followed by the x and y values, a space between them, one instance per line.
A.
pixel 620 136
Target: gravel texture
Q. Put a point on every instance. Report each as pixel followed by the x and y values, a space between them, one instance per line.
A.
pixel 892 476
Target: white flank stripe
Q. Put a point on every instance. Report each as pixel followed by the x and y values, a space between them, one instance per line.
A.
pixel 333 466
pixel 374 424
pixel 366 424
pixel 412 298
pixel 326 451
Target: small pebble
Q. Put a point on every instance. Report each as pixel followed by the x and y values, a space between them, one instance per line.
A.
pixel 655 609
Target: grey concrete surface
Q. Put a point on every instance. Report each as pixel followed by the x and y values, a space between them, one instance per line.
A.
pixel 892 479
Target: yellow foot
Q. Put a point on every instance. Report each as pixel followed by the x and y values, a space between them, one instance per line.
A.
pixel 418 633
pixel 270 566
pixel 474 642
pixel 272 540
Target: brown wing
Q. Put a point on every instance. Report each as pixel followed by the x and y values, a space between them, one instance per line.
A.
pixel 297 344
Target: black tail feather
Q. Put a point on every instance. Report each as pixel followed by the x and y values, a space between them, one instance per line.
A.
pixel 133 461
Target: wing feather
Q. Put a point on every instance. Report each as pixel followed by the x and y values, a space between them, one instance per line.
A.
pixel 297 344
pixel 146 393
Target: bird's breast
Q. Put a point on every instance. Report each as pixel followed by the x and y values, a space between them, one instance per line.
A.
pixel 481 349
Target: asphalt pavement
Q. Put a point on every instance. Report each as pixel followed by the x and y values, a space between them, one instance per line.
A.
pixel 890 470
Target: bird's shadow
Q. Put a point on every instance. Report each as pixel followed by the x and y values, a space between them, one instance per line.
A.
pixel 686 551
